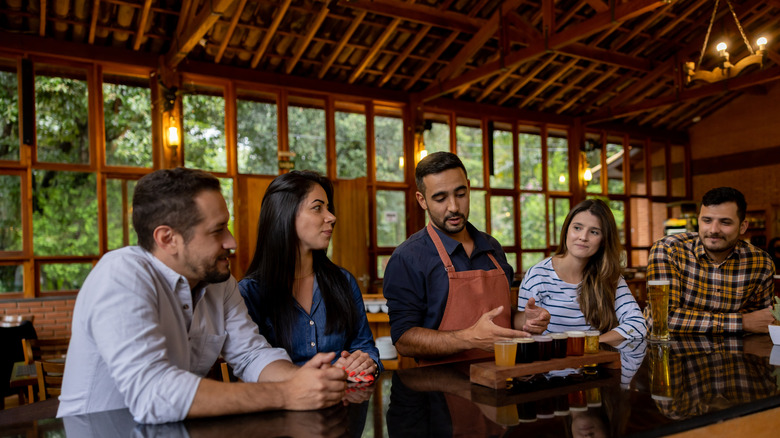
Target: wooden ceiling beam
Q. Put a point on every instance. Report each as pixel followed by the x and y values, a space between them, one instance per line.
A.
pixel 418 13
pixel 353 25
pixel 269 34
pixel 477 41
pixel 93 21
pixel 371 55
pixel 185 14
pixel 523 32
pixel 543 86
pixel 231 30
pixel 139 35
pixel 192 34
pixel 569 85
pixel 583 107
pixel 496 82
pixel 42 19
pixel 569 14
pixel 528 77
pixel 405 54
pixel 433 57
pixel 607 57
pixel 548 17
pixel 600 21
pixel 314 26
pixel 703 91
pixel 598 5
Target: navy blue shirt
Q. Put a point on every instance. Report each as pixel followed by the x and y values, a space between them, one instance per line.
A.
pixel 416 284
pixel 308 336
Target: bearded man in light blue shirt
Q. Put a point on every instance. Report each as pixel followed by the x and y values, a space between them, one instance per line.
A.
pixel 150 321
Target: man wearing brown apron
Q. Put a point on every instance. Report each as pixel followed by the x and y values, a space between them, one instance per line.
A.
pixel 447 286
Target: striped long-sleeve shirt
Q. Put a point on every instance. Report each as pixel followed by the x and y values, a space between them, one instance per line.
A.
pixel 561 299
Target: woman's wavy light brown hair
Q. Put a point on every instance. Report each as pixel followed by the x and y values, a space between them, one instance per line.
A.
pixel 602 272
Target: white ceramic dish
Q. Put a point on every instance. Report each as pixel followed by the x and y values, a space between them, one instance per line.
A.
pixel 774 332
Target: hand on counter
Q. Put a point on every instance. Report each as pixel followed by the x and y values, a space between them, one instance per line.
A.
pixel 758 321
pixel 358 365
pixel 317 384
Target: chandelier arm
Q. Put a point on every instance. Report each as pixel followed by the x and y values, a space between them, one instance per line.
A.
pixel 739 26
pixel 707 36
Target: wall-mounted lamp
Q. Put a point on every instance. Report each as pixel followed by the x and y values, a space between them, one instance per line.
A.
pixel 562 179
pixel 587 176
pixel 173 135
pixel 423 154
pixel 400 162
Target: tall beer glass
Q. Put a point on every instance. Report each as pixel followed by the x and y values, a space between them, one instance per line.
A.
pixel 658 301
pixel 660 375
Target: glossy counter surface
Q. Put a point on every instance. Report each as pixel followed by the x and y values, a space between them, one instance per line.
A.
pixel 685 384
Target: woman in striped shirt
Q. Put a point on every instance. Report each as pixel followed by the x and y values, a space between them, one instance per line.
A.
pixel 581 285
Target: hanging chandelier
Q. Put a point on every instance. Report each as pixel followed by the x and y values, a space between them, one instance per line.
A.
pixel 725 68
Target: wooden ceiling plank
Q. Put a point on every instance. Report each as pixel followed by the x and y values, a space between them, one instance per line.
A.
pixel 665 114
pixel 434 56
pixel 548 17
pixel 139 35
pixel 603 77
pixel 93 21
pixel 230 31
pixel 205 19
pixel 543 86
pixel 42 18
pixel 522 27
pixel 476 42
pixel 353 25
pixel 680 17
pixel 496 82
pixel 648 80
pixel 378 44
pixel 419 14
pixel 269 34
pixel 703 91
pixel 185 14
pixel 303 44
pixel 623 40
pixel 607 57
pixel 522 82
pixel 405 54
pixel 569 14
pixel 570 83
pixel 598 22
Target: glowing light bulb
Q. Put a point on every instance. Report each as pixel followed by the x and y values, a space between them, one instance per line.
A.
pixel 423 153
pixel 562 179
pixel 721 47
pixel 173 136
pixel 761 43
pixel 400 162
pixel 587 176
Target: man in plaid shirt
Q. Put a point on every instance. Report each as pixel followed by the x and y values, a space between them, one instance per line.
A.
pixel 719 283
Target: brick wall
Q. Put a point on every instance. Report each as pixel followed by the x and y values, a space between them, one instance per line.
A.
pixel 52 315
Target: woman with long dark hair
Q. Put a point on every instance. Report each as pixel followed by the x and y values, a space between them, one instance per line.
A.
pixel 298 297
pixel 581 285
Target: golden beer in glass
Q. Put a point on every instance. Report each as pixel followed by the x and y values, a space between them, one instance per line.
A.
pixel 658 301
pixel 505 353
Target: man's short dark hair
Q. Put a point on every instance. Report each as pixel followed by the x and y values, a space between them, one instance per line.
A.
pixel 436 162
pixel 726 194
pixel 167 197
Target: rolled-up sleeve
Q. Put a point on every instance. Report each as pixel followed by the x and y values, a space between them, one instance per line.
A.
pixel 404 289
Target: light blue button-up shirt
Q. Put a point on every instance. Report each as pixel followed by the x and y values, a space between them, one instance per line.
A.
pixel 141 341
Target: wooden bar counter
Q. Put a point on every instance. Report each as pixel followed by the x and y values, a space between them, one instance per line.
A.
pixel 689 387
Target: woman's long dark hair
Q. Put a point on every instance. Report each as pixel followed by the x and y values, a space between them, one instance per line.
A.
pixel 602 272
pixel 276 252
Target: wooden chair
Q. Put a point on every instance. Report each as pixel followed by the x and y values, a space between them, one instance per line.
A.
pixel 42 349
pixel 15 320
pixel 49 378
pixel 227 373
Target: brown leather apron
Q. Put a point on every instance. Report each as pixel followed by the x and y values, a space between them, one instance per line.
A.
pixel 471 294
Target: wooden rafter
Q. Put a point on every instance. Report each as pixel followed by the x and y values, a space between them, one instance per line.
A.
pixel 521 29
pixel 314 26
pixel 231 29
pixel 192 34
pixel 607 57
pixel 598 5
pixel 587 89
pixel 476 42
pixel 496 82
pixel 572 34
pixel 342 42
pixel 139 34
pixel 405 54
pixel 378 44
pixel 418 13
pixel 185 13
pixel 526 79
pixel 269 34
pixel 42 18
pixel 93 21
pixel 434 56
pixel 569 85
pixel 549 81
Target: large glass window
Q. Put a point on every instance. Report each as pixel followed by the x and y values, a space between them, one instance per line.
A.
pixel 258 135
pixel 502 215
pixel 64 213
pixel 469 142
pixel 389 146
pixel 390 217
pixel 350 140
pixel 437 133
pixel 531 159
pixel 119 209
pixel 127 116
pixel 9 112
pixel 62 115
pixel 557 161
pixel 11 278
pixel 204 129
pixel 503 175
pixel 10 213
pixel 306 133
pixel 615 180
pixel 558 209
pixel 593 152
pixel 477 214
pixel 58 277
pixel 532 221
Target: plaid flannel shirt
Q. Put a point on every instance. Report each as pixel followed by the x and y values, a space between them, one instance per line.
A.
pixel 705 297
pixel 709 374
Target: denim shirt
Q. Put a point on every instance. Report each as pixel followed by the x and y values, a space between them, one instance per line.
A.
pixel 309 336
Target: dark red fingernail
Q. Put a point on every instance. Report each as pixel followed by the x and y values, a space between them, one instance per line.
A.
pixel 352 374
pixel 362 373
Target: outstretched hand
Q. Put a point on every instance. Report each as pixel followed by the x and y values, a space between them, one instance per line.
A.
pixel 485 332
pixel 536 318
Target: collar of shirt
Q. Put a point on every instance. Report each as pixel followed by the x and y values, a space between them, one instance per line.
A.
pixel 701 254
pixel 316 299
pixel 451 245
